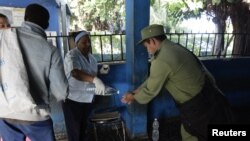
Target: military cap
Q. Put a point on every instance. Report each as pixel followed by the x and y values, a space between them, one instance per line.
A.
pixel 151 31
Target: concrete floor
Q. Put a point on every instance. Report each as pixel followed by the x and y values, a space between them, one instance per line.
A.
pixel 169 128
pixel 170 133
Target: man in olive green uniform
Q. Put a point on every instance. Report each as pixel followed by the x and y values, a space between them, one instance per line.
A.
pixel 178 70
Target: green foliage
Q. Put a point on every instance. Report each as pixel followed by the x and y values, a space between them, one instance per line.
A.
pixel 216 2
pixel 232 1
pixel 73 18
pixel 152 2
pixel 176 11
pixel 103 15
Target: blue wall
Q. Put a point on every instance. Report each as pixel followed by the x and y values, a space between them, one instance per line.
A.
pixel 51 5
pixel 136 64
pixel 232 76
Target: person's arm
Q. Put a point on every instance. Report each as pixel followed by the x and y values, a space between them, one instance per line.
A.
pixel 82 76
pixel 128 97
pixel 58 81
pixel 159 75
pixel 72 66
pixel 144 84
pixel 151 87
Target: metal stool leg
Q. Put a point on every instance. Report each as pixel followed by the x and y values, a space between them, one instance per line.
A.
pixel 123 130
pixel 110 122
pixel 96 138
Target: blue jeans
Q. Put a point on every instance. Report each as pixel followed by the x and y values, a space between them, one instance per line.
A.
pixel 38 131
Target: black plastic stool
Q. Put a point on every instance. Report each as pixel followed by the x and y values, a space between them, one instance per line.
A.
pixel 108 126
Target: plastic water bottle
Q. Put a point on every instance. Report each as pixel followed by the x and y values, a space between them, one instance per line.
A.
pixel 108 90
pixel 155 131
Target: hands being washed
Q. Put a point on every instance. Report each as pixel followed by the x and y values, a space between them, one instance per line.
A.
pixel 128 98
pixel 99 86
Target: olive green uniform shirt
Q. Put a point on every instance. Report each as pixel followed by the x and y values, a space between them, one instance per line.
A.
pixel 175 69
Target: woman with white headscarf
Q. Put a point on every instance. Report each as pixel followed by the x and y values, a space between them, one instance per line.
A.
pixel 81 71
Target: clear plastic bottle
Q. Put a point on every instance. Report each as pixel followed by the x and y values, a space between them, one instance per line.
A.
pixel 108 90
pixel 155 131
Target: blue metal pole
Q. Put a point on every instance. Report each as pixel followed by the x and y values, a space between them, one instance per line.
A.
pixel 137 17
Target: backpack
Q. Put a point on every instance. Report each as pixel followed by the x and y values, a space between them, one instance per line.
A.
pixel 14 83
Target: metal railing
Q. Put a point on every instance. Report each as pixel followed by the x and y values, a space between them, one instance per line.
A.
pixel 205 44
pixel 112 47
pixel 109 47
